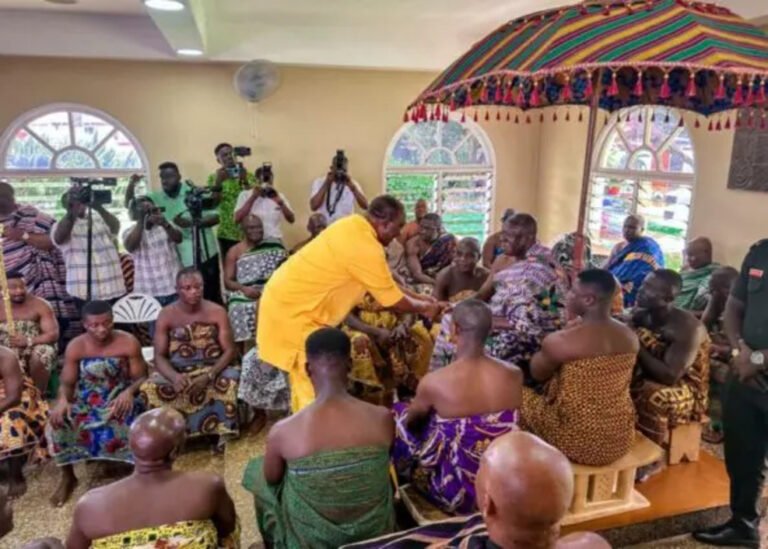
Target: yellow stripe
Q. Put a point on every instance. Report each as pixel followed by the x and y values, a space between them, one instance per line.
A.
pixel 746 62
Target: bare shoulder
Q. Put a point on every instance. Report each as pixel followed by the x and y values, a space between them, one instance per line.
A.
pixel 211 482
pixel 412 244
pixel 214 309
pixel 75 346
pixel 126 340
pixel 95 500
pixel 506 368
pixel 41 305
pixel 629 335
pixel 684 324
pixel 445 275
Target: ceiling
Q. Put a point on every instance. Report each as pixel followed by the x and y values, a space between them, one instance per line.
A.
pixel 384 34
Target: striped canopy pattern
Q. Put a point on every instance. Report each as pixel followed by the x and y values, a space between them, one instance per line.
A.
pixel 691 55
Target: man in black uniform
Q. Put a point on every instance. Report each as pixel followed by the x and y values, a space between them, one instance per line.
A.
pixel 745 402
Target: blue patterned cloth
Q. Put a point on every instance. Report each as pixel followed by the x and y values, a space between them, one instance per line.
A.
pixel 633 263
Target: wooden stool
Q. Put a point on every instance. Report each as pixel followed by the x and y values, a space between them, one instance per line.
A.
pixel 610 490
pixel 685 442
pixel 420 508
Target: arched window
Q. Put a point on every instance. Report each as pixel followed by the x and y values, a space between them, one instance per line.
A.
pixel 449 164
pixel 644 164
pixel 46 147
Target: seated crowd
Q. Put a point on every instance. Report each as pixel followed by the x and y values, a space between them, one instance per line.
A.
pixel 527 344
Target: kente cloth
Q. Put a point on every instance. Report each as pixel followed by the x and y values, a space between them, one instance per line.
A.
pixel 318 287
pixel 464 532
pixel 262 386
pixel 191 534
pixel 529 295
pixel 253 269
pixel 694 295
pixel 439 255
pixel 44 271
pixel 401 363
pixel 22 427
pixel 324 500
pixel 585 409
pixel 194 349
pixel 632 263
pixel 46 353
pixel 442 459
pixel 92 434
pixel 663 407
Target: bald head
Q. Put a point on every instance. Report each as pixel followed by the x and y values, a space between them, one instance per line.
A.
pixel 698 253
pixel 472 318
pixel 634 226
pixel 524 488
pixel 156 434
pixel 583 540
pixel 317 223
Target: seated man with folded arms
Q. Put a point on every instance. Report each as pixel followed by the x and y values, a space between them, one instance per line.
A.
pixel 428 253
pixel 156 506
pixel 37 331
pixel 103 369
pixel 324 479
pixel 524 488
pixel 23 414
pixel 671 382
pixel 458 410
pixel 585 409
pixel 464 277
pixel 195 360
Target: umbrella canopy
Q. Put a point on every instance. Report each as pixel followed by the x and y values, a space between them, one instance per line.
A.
pixel 689 55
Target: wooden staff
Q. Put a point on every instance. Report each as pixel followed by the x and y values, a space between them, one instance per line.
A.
pixel 6 295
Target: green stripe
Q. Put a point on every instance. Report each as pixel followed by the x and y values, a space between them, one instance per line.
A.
pixel 643 39
pixel 691 54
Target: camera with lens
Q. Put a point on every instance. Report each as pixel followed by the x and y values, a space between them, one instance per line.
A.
pixel 197 200
pixel 265 176
pixel 340 165
pixel 242 151
pixel 90 196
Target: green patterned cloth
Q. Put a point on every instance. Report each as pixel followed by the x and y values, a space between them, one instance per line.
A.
pixel 325 500
pixel 230 190
pixel 694 295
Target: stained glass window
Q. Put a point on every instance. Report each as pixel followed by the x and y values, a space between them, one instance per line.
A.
pixel 450 165
pixel 645 164
pixel 45 147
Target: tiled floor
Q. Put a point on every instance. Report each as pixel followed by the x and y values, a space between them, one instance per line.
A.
pixel 34 516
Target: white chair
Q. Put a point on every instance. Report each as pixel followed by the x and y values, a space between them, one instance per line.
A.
pixel 137 309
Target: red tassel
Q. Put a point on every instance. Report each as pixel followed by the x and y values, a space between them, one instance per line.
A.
pixel 431 116
pixel 463 116
pixel 452 106
pixel 613 90
pixel 720 94
pixel 517 119
pixel 711 126
pixel 653 117
pixel 475 116
pixel 567 116
pixel 438 113
pixel 719 126
pixel 554 117
pixel 414 116
pixel 738 122
pixel 750 100
pixel 728 123
pixel 761 96
pixel 508 96
pixel 566 95
pixel 638 91
pixel 508 117
pixel 468 98
pixel 406 117
pixel 738 95
pixel 541 118
pixel 520 100
pixel 666 92
pixel 445 116
pixel 498 115
pixel 487 116
pixel 640 118
pixel 697 124
pixel 681 124
pixel 581 117
pixel 423 112
pixel 535 97
pixel 484 94
pixel 527 119
pixel 590 89
pixel 691 91
pixel 607 10
pixel 498 96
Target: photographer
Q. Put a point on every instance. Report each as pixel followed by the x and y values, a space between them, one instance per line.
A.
pixel 70 235
pixel 336 194
pixel 227 183
pixel 152 244
pixel 174 197
pixel 266 203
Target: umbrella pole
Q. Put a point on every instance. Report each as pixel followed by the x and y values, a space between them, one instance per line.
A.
pixel 594 108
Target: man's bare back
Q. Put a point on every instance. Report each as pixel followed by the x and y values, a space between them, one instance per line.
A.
pixel 591 339
pixel 473 386
pixel 151 502
pixel 334 424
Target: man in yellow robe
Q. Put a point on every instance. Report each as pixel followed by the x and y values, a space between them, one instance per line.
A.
pixel 321 284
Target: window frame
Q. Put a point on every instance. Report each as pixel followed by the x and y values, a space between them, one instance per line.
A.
pixel 441 171
pixel 676 179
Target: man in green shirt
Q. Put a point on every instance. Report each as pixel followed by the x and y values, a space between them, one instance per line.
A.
pixel 172 198
pixel 226 183
pixel 745 402
pixel 694 295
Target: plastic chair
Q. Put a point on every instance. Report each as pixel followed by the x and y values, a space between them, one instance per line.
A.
pixel 137 309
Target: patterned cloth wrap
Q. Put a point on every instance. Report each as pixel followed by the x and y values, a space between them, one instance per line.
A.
pixel 191 534
pixel 92 434
pixel 437 257
pixel 442 460
pixel 465 532
pixel 324 500
pixel 44 352
pixel 633 263
pixel 585 409
pixel 22 427
pixel 193 351
pixel 262 386
pixel 661 407
pixel 253 270
pixel 528 295
pixel 401 364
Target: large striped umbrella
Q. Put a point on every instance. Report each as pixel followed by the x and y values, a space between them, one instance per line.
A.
pixel 609 55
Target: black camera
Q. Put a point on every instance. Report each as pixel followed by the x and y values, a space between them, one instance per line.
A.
pixel 265 173
pixel 197 200
pixel 242 151
pixel 88 195
pixel 340 162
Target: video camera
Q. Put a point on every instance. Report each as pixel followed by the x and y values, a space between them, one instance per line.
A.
pixel 238 152
pixel 86 194
pixel 340 162
pixel 197 200
pixel 265 176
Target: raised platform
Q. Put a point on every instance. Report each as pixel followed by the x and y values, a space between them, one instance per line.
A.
pixel 683 498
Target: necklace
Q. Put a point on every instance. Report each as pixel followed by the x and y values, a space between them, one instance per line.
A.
pixel 340 188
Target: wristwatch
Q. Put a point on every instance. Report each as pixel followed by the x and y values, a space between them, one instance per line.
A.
pixel 757 359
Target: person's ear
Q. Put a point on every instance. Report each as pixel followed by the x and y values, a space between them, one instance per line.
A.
pixel 308 368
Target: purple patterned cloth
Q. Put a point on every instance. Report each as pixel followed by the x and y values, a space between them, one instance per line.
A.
pixel 442 460
pixel 529 294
